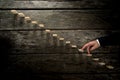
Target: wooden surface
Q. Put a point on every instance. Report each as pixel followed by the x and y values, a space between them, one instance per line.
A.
pixel 27 54
pixel 55 4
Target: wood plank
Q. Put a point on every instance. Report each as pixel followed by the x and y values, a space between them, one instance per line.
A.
pixel 57 63
pixel 37 42
pixel 54 4
pixel 66 66
pixel 23 49
pixel 90 76
pixel 59 19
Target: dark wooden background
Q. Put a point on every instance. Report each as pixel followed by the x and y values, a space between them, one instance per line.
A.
pixel 25 53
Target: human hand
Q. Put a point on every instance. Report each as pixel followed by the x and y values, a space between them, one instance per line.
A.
pixel 90 46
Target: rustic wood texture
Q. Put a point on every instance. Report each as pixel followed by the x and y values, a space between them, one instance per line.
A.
pixel 55 4
pixel 32 40
pixel 60 19
pixel 27 53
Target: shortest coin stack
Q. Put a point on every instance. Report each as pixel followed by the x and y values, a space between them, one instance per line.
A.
pixel 95 59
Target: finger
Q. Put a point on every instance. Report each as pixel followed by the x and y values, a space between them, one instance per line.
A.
pixel 92 48
pixel 88 49
pixel 84 47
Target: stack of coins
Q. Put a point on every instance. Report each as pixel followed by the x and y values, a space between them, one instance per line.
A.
pixel 41 26
pixel 68 44
pixel 34 24
pixel 28 19
pixel 48 34
pixel 15 14
pixel 61 42
pixel 55 40
pixel 21 18
pixel 48 37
